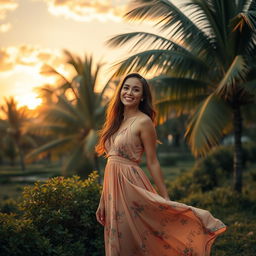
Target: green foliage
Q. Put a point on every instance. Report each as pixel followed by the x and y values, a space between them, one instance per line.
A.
pixel 9 206
pixel 167 160
pixel 20 238
pixel 249 151
pixel 213 171
pixel 60 215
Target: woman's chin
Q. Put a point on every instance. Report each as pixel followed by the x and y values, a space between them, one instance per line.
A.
pixel 130 104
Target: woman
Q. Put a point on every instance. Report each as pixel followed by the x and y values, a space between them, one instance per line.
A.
pixel 137 220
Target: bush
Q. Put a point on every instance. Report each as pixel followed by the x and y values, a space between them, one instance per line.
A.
pixel 250 152
pixel 61 215
pixel 20 238
pixel 9 206
pixel 221 200
pixel 213 171
pixel 167 160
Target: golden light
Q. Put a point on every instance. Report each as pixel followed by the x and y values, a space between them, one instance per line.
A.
pixel 31 100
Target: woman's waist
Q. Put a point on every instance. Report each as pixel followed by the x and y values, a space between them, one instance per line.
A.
pixel 122 160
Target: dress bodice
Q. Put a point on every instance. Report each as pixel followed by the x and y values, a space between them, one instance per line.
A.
pixel 125 143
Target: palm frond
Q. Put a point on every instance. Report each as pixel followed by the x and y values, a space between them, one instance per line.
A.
pixel 152 40
pixel 167 106
pixel 85 101
pixel 74 61
pixel 90 142
pixel 69 107
pixel 236 72
pixel 206 126
pixel 245 18
pixel 249 5
pixel 176 87
pixel 209 19
pixel 45 129
pixel 29 140
pixel 49 70
pixel 162 61
pixel 57 114
pixel 173 19
pixel 53 145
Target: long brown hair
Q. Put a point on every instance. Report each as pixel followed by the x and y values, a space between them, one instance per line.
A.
pixel 115 110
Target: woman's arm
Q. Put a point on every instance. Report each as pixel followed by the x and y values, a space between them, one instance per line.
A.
pixel 148 138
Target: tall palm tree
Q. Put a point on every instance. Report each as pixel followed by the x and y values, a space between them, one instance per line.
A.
pixel 205 62
pixel 74 122
pixel 14 132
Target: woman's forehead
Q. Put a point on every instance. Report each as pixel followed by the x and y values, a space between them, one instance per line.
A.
pixel 133 81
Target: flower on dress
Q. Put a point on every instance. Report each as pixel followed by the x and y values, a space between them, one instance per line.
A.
pixel 137 209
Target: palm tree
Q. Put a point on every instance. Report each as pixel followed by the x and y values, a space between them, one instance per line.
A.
pixel 73 123
pixel 15 135
pixel 205 62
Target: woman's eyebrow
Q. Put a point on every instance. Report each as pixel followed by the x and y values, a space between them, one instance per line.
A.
pixel 135 86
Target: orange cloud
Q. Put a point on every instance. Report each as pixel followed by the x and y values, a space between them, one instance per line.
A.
pixel 5 63
pixel 29 60
pixel 6 6
pixel 20 70
pixel 5 27
pixel 87 10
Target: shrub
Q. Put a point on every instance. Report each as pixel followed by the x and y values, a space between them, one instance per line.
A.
pixel 20 238
pixel 58 218
pixel 249 150
pixel 167 160
pixel 213 171
pixel 9 206
pixel 220 200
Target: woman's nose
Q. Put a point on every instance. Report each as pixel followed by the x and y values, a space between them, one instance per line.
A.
pixel 130 91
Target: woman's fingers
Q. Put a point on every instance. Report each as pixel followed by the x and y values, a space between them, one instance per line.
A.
pixel 100 215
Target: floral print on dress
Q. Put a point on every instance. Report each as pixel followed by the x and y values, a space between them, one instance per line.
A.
pixel 137 209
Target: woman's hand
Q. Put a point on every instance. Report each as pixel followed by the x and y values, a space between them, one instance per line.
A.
pixel 100 215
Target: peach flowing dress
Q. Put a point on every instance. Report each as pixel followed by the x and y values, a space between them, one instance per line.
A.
pixel 138 221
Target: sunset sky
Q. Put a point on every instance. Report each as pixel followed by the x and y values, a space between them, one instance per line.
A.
pixel 34 32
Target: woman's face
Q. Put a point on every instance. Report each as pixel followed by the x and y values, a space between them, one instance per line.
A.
pixel 131 92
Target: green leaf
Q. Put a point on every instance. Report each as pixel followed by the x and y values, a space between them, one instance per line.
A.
pixel 236 72
pixel 51 145
pixel 206 126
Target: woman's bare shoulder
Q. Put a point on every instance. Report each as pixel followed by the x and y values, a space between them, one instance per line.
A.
pixel 144 119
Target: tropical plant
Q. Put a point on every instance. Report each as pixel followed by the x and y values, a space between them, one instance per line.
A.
pixel 205 62
pixel 15 137
pixel 74 120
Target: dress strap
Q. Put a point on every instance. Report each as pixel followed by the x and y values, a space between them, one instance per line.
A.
pixel 130 124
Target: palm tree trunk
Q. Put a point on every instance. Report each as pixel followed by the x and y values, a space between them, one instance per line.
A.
pixel 237 161
pixel 22 162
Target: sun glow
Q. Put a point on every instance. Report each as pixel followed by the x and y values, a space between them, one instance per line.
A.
pixel 31 100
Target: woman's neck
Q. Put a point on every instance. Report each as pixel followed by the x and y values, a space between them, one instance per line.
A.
pixel 130 113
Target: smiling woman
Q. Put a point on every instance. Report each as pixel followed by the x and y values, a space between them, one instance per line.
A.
pixel 138 219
